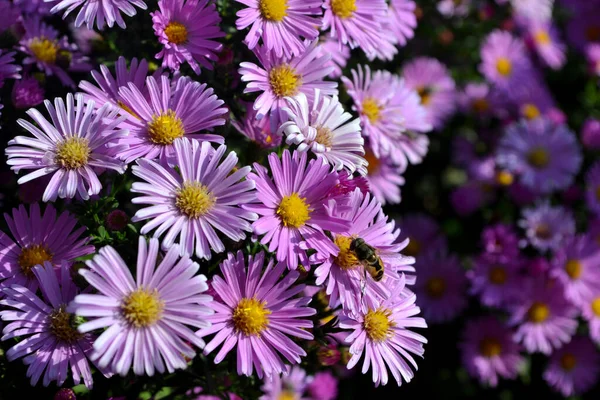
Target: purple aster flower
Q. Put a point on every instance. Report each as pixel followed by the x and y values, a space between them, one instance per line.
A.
pixel 73 147
pixel 27 93
pixel 468 198
pixel 424 234
pixel 190 202
pixel 504 60
pixel 294 208
pixel 575 368
pixel 591 313
pixel 545 320
pixel 340 54
pixel 343 275
pixel 547 227
pixel 385 178
pixel 403 20
pixel 475 99
pixel 280 77
pixel 432 80
pixel 536 10
pixel 322 126
pixel 37 7
pixel 582 27
pixel 282 25
pixel 348 184
pixel 575 265
pixel 592 190
pixel 488 351
pixel 593 55
pixel 7 68
pixel 383 334
pixel 88 40
pixel 258 312
pixel 441 286
pixel 545 39
pixel 100 11
pixel 171 111
pixel 149 319
pixel 533 101
pixel 48 338
pixel 323 386
pixel 496 279
pixel 289 386
pixel 187 29
pixel 9 15
pixel 590 134
pixel 500 239
pixel 257 130
pixel 454 8
pixel 546 157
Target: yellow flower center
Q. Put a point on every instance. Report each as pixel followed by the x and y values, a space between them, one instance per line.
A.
pixel 504 66
pixel 425 94
pixel 31 256
pixel 497 275
pixel 165 128
pixel 373 161
pixel 596 306
pixel 538 157
pixel 73 153
pixel 413 248
pixel 542 37
pixel 176 32
pixel 284 80
pixel 490 347
pixel 293 211
pixel 44 50
pixel 568 361
pixel 435 287
pixel 287 395
pixel 343 8
pixel 194 200
pixel 142 307
pixel 62 327
pixel 530 111
pixel 481 105
pixel 273 10
pixel 377 324
pixel 346 258
pixel 538 312
pixel 250 316
pixel 573 268
pixel 371 109
pixel 504 178
pixel 324 137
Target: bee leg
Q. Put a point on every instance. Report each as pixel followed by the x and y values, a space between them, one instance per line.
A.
pixel 363 285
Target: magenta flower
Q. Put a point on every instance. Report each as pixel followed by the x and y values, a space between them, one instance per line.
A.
pixel 294 208
pixel 257 130
pixel 27 92
pixel 403 20
pixel 544 38
pixel 547 227
pixel 496 279
pixel 289 386
pixel 385 178
pixel 187 29
pixel 504 60
pixel 148 319
pixel 592 188
pixel 323 386
pixel 101 11
pixel 7 68
pixel 260 313
pixel 500 239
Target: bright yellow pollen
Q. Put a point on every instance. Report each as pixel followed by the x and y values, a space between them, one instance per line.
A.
pixel 480 105
pixel 542 37
pixel 371 109
pixel 538 312
pixel 73 153
pixel 284 80
pixel 435 287
pixel 44 50
pixel 413 248
pixel 490 347
pixel 425 94
pixel 538 157
pixel 142 308
pixel 165 128
pixel 504 66
pixel 31 256
pixel 346 258
pixel 273 10
pixel 343 8
pixel 596 306
pixel 497 276
pixel 574 268
pixel 324 137
pixel 251 316
pixel 373 161
pixel 504 178
pixel 194 199
pixel 287 395
pixel 176 32
pixel 377 324
pixel 61 325
pixel 568 361
pixel 530 111
pixel 293 211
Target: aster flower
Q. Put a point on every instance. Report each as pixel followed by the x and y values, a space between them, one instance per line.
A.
pixel 258 312
pixel 323 386
pixel 423 234
pixel 538 10
pixel 27 92
pixel 343 275
pixel 533 101
pixel 475 99
pixel 280 77
pixel 257 130
pixel 592 188
pixel 432 80
pixel 107 12
pixel 454 8
pixel 7 68
pixel 593 55
pixel 383 334
pixel 403 20
pixel 294 208
pixel 488 351
pixel 547 227
pixel 148 319
pixel 500 239
pixel 340 54
pixel 348 184
pixel 575 368
pixel 282 25
pixel 48 339
pixel 36 7
pixel 187 29
pixel 86 39
pixel 73 147
pixel 496 279
pixel 504 60
pixel 582 26
pixel 9 15
pixel 545 156
pixel 171 111
pixel 323 126
pixel 189 203
pixel 385 178
pixel 289 386
pixel 544 38
pixel 591 313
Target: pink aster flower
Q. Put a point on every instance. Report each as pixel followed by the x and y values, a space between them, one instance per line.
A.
pixel 322 126
pixel 343 275
pixel 383 334
pixel 454 8
pixel 575 368
pixel 294 208
pixel 260 314
pixel 282 25
pixel 403 20
pixel 475 99
pixel 537 10
pixel 7 68
pixel 340 54
pixel 593 55
pixel 488 351
pixel 280 77
pixel 173 110
pixel 323 386
pixel 48 339
pixel 385 178
pixel 544 38
pixel 289 386
pixel 496 279
pixel 149 319
pixel 504 60
pixel 73 147
pixel 190 203
pixel 187 29
pixel 591 312
pixel 257 130
pixel 101 11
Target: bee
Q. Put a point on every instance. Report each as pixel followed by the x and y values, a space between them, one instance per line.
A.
pixel 368 257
